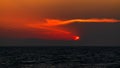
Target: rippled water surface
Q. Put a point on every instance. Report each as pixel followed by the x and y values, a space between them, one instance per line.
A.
pixel 60 57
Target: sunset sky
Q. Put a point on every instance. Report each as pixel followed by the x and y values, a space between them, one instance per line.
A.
pixel 61 9
pixel 60 19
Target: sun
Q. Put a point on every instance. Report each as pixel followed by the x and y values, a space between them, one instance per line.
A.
pixel 76 38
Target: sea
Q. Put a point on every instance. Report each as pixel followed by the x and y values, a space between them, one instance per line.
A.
pixel 60 57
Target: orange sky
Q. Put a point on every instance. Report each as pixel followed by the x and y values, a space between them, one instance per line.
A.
pixel 15 14
pixel 61 8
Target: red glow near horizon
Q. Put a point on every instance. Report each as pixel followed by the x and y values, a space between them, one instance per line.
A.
pixel 76 38
pixel 52 28
pixel 53 32
pixel 52 25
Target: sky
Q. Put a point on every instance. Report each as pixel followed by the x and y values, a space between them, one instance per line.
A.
pixel 90 20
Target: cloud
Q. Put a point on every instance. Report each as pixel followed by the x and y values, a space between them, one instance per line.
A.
pixel 52 24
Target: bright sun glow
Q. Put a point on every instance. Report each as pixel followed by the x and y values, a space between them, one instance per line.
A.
pixel 76 37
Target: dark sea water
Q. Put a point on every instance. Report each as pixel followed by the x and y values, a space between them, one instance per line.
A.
pixel 60 57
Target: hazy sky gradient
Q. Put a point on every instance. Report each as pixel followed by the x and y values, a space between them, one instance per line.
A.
pixel 14 14
pixel 61 8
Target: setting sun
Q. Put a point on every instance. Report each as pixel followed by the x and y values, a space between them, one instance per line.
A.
pixel 76 38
